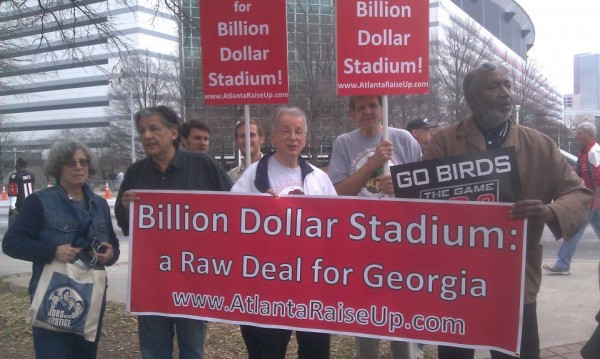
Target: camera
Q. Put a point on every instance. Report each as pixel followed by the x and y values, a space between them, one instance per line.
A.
pixel 98 247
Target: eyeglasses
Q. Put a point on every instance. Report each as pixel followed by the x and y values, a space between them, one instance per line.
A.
pixel 288 133
pixel 73 163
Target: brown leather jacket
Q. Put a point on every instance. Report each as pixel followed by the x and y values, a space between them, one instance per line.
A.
pixel 545 175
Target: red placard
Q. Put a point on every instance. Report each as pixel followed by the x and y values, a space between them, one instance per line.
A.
pixel 414 270
pixel 244 52
pixel 382 47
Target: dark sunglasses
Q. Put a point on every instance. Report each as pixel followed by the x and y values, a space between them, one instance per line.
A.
pixel 73 163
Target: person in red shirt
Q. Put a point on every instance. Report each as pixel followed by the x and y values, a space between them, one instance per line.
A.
pixel 588 168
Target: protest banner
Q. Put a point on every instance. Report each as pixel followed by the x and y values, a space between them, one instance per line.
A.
pixel 382 47
pixel 244 52
pixel 488 176
pixel 421 271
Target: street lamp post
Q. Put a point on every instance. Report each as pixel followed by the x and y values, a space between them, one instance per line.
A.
pixel 132 126
pixel 131 109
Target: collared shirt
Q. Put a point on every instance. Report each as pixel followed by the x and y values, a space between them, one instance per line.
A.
pixel 495 137
pixel 237 172
pixel 187 171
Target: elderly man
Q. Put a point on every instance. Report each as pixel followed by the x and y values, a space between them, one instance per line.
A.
pixel 588 168
pixel 358 157
pixel 552 192
pixel 285 172
pixel 257 138
pixel 167 168
pixel 356 169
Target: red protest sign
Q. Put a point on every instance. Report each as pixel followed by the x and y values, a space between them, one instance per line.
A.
pixel 382 47
pixel 244 52
pixel 413 270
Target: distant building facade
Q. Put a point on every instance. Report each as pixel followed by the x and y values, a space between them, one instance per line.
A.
pixel 49 89
pixel 584 103
pixel 586 80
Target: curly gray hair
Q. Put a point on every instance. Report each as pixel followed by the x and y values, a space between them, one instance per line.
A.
pixel 61 152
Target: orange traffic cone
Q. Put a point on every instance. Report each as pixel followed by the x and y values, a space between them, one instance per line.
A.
pixel 107 192
pixel 4 195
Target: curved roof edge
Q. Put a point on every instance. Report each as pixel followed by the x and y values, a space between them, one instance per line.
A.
pixel 521 17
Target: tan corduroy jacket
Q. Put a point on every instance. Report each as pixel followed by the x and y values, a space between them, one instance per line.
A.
pixel 545 175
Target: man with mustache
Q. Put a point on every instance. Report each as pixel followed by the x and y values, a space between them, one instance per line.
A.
pixel 552 193
pixel 166 167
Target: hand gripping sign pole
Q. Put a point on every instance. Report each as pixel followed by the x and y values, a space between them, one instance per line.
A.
pixel 385 123
pixel 248 156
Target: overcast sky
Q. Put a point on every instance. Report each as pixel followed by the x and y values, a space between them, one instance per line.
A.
pixel 563 28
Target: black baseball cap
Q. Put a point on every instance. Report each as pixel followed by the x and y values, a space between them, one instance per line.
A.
pixel 420 122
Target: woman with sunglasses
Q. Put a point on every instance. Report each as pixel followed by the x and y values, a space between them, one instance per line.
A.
pixel 69 223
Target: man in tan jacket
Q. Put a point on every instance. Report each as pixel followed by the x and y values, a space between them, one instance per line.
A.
pixel 552 193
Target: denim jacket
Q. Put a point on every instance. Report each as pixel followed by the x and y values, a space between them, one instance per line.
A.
pixel 49 219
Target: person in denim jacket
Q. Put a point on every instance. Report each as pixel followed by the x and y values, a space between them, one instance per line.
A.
pixel 60 222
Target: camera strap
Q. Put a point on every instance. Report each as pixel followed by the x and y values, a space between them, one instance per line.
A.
pixel 82 235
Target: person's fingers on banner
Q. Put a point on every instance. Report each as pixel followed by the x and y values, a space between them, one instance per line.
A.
pixel 272 193
pixel 532 209
pixel 128 197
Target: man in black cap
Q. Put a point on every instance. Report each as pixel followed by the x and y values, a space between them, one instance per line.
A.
pixel 420 128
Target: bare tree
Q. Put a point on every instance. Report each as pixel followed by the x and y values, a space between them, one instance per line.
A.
pixel 530 93
pixel 403 108
pixel 147 81
pixel 7 142
pixel 313 73
pixel 59 25
pixel 464 47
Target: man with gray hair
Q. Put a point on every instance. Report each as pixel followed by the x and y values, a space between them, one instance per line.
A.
pixel 280 173
pixel 357 167
pixel 166 167
pixel 588 168
pixel 552 193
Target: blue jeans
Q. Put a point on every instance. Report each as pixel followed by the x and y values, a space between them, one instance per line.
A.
pixel 567 249
pixel 156 337
pixel 55 345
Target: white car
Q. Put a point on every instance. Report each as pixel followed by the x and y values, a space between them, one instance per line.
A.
pixel 571 159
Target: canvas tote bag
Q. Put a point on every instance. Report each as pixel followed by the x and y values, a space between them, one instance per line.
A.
pixel 68 299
